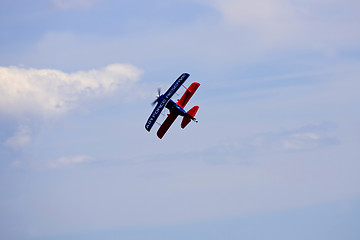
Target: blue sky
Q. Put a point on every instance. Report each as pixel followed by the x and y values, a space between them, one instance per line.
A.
pixel 275 154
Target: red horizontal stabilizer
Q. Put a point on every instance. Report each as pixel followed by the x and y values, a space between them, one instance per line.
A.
pixel 166 124
pixel 188 94
pixel 192 113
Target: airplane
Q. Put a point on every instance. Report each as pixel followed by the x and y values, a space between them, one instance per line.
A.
pixel 175 108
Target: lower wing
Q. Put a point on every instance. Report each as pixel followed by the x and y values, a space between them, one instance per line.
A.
pixel 166 125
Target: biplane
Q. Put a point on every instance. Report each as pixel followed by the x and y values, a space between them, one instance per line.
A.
pixel 175 108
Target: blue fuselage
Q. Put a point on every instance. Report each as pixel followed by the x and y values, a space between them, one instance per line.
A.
pixel 174 108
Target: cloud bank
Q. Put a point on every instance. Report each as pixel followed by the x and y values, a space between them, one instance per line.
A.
pixel 49 92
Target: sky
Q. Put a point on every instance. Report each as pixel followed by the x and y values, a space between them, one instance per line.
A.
pixel 275 154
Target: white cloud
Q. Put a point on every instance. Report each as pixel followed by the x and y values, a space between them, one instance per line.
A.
pixel 50 92
pixel 21 138
pixel 73 4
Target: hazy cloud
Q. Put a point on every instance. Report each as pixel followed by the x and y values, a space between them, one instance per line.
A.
pixel 69 161
pixel 305 138
pixel 50 91
pixel 20 139
pixel 279 22
pixel 255 13
pixel 244 151
pixel 308 137
pixel 73 4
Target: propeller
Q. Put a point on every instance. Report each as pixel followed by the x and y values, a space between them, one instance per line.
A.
pixel 157 97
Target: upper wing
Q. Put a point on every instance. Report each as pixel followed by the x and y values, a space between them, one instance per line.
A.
pixel 176 85
pixel 155 114
pixel 166 124
pixel 188 94
pixel 162 103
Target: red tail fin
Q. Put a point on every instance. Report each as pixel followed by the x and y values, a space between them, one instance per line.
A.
pixel 192 113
